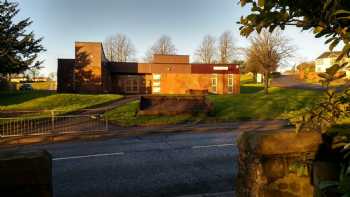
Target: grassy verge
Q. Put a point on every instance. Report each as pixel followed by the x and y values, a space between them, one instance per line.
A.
pixel 336 83
pixel 17 97
pixel 126 116
pixel 227 108
pixel 43 100
pixel 251 88
pixel 259 106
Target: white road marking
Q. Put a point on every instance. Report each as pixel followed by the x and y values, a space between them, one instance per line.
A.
pixel 87 156
pixel 214 145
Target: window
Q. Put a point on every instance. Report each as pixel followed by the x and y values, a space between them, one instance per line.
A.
pixel 131 84
pixel 135 85
pixel 230 83
pixel 128 86
pixel 214 83
pixel 156 83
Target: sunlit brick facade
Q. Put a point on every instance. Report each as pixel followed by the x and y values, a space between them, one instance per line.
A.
pixel 90 72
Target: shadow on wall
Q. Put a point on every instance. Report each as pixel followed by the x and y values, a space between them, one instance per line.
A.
pixel 83 75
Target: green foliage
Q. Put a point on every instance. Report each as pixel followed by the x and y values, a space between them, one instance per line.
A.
pixel 18 48
pixel 329 19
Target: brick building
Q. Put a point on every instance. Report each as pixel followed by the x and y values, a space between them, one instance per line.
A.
pixel 91 72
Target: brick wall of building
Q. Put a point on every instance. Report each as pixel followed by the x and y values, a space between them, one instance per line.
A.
pixel 88 67
pixel 182 83
pixel 91 72
pixel 173 59
pixel 65 76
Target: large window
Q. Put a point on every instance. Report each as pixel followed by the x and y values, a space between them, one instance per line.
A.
pixel 214 83
pixel 156 83
pixel 132 84
pixel 230 83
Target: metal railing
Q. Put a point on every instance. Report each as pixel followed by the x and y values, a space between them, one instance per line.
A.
pixel 52 124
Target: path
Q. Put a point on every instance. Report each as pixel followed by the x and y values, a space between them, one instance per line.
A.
pixel 106 107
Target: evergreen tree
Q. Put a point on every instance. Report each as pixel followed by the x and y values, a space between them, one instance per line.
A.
pixel 18 47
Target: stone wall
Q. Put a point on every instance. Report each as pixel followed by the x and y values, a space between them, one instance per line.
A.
pixel 276 163
pixel 25 174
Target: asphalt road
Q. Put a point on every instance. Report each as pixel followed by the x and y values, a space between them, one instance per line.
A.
pixel 157 165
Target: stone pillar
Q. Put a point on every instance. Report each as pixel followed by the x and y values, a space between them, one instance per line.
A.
pixel 276 163
pixel 25 174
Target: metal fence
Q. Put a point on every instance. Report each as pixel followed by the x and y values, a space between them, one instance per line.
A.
pixel 21 126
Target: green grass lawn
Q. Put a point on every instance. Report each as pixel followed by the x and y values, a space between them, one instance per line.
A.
pixel 227 108
pixel 126 116
pixel 44 100
pixel 251 88
pixel 259 106
pixel 17 97
pixel 248 86
pixel 48 85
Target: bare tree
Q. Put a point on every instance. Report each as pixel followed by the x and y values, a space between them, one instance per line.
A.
pixel 226 48
pixel 33 73
pixel 207 51
pixel 163 46
pixel 268 51
pixel 119 48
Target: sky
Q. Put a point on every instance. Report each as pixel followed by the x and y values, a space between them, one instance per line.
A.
pixel 62 22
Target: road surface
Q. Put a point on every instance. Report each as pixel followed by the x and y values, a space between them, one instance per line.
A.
pixel 292 81
pixel 156 165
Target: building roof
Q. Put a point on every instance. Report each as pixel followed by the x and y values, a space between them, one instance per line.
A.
pixel 329 54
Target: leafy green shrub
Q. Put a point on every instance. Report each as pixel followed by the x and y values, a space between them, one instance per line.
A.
pixel 322 117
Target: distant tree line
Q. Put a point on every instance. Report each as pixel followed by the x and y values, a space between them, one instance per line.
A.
pixel 119 48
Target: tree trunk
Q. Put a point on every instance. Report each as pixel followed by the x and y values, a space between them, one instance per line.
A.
pixel 266 82
pixel 255 77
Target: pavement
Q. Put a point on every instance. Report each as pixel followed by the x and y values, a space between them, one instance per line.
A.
pixel 87 129
pixel 199 164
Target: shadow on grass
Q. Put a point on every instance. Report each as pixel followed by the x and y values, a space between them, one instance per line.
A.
pixel 17 97
pixel 250 89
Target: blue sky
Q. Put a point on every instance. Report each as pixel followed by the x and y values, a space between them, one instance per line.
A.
pixel 62 22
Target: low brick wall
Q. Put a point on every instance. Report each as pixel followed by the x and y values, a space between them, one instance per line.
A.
pixel 276 163
pixel 173 105
pixel 25 174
